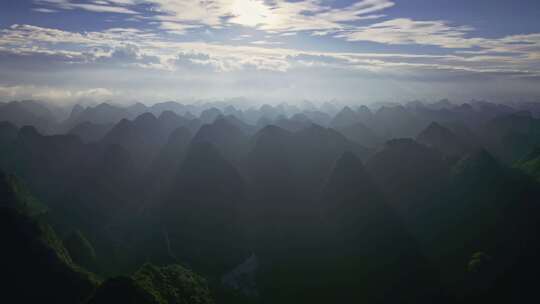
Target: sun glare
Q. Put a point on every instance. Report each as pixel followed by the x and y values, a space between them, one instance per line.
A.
pixel 250 12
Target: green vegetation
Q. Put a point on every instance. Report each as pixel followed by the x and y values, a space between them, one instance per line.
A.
pixel 81 250
pixel 15 195
pixel 531 163
pixel 173 284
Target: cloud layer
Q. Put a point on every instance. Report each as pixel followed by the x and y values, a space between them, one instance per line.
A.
pixel 238 47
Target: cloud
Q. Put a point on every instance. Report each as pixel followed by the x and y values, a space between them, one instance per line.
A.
pixel 404 31
pixel 133 47
pixel 407 31
pixel 44 10
pixel 116 7
pixel 54 94
pixel 177 28
pixel 275 16
pixel 266 42
pixel 135 64
pixel 311 15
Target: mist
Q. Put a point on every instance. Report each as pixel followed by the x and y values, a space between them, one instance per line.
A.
pixel 269 152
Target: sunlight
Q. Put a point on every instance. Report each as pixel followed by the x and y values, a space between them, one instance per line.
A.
pixel 249 12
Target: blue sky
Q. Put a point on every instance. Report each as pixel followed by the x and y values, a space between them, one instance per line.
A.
pixel 68 51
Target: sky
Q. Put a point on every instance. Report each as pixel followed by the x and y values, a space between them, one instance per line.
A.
pixel 357 52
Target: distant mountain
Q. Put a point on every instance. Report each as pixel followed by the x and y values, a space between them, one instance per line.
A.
pixel 143 137
pixel 318 117
pixel 165 165
pixel 305 157
pixel 59 161
pixel 103 113
pixel 228 138
pixel 444 140
pixel 315 149
pixel 397 122
pixel 512 136
pixel 361 134
pixel 32 113
pixel 209 115
pixel 293 124
pixel 90 132
pixel 345 118
pixel 239 123
pixel 172 106
pixel 137 109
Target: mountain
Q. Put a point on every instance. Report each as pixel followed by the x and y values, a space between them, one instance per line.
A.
pixel 76 110
pixel 209 115
pixel 314 151
pixel 14 195
pixel 171 284
pixel 172 106
pixel 32 113
pixel 318 117
pixel 201 212
pixel 512 136
pixel 366 239
pixel 34 256
pixel 142 137
pixel 444 140
pixel 103 113
pixel 164 167
pixel 59 162
pixel 137 109
pixel 346 117
pixel 409 174
pixel 227 137
pixel 487 208
pixel 361 134
pixel 397 122
pixel 293 124
pixel 8 133
pixel 90 132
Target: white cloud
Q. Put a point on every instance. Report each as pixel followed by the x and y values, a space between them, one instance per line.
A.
pixel 133 47
pixel 177 28
pixel 94 6
pixel 44 10
pixel 407 31
pixel 266 42
pixel 271 16
pixel 441 34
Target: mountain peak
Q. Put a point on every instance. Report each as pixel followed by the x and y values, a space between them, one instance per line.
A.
pixel 145 119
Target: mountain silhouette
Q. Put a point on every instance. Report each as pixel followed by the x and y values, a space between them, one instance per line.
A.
pixel 409 174
pixel 90 132
pixel 201 213
pixel 444 140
